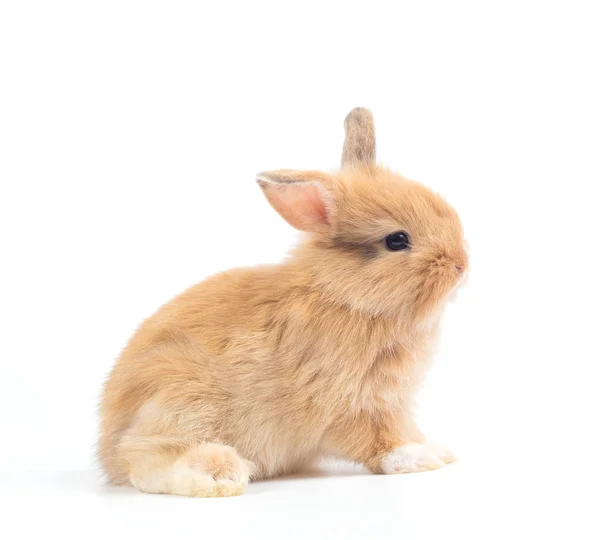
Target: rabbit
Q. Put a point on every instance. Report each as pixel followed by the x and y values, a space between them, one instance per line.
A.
pixel 255 373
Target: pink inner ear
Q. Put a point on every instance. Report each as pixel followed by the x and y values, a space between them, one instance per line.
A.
pixel 301 204
pixel 314 204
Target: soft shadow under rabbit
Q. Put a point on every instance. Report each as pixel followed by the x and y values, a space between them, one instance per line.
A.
pixel 257 372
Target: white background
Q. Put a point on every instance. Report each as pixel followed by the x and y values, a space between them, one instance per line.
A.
pixel 130 133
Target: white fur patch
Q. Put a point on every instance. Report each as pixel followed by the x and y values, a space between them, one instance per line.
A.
pixel 416 458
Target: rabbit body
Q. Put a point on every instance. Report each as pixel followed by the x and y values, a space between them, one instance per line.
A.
pixel 257 372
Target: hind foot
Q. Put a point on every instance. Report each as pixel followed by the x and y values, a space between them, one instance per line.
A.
pixel 207 470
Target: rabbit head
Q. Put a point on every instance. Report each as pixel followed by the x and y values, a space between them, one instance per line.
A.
pixel 376 242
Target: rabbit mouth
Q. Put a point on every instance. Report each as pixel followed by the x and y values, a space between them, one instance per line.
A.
pixel 440 286
pixel 462 279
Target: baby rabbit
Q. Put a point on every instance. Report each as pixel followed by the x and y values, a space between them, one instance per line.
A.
pixel 257 372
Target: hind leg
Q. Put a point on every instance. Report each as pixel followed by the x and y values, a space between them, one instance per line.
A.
pixel 162 423
pixel 203 470
pixel 164 451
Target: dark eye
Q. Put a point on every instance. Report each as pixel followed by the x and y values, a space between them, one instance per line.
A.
pixel 397 241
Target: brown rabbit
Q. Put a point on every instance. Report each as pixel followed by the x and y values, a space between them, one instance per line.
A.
pixel 256 372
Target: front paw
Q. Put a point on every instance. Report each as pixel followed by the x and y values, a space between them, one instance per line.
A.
pixel 416 458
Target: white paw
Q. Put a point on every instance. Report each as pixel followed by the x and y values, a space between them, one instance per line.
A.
pixel 416 458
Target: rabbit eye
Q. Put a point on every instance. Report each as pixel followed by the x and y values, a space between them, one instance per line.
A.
pixel 397 241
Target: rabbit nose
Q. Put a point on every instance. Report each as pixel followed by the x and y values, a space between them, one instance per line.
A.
pixel 460 268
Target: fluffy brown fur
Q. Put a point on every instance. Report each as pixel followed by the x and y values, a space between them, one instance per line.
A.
pixel 256 372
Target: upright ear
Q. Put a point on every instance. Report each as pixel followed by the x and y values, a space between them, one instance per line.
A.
pixel 359 145
pixel 302 198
